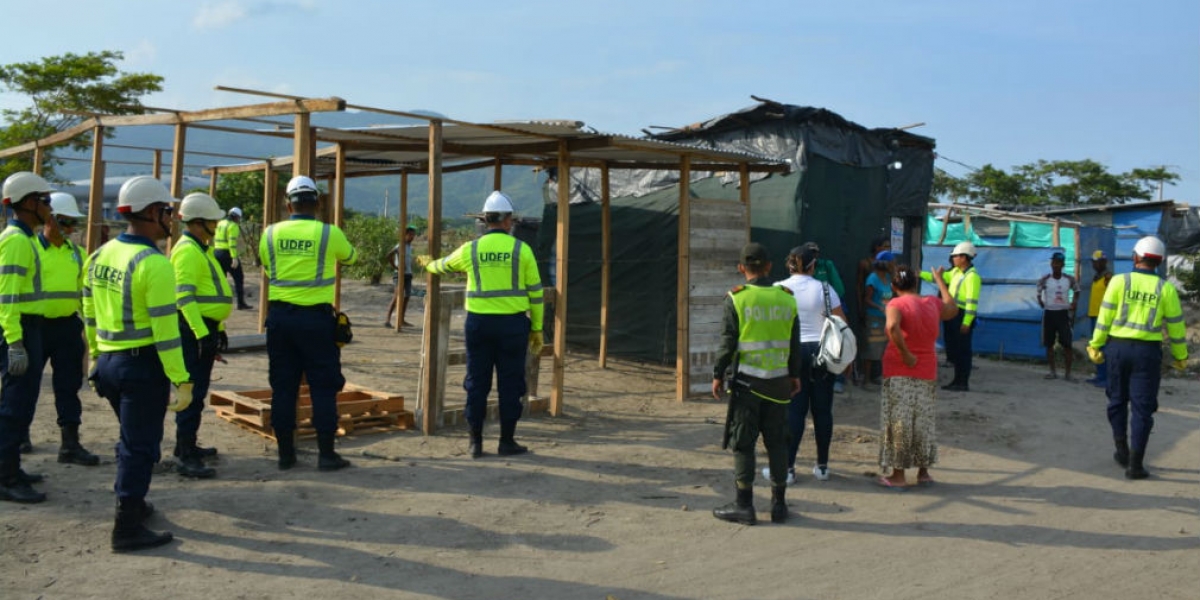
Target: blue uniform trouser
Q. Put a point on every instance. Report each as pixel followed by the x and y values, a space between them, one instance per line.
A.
pixel 816 395
pixel 199 366
pixel 1102 368
pixel 495 343
pixel 19 394
pixel 138 390
pixel 1133 378
pixel 958 347
pixel 225 259
pixel 300 343
pixel 63 348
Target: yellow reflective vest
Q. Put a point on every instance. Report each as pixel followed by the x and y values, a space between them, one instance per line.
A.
pixel 129 302
pixel 964 287
pixel 62 277
pixel 20 279
pixel 201 289
pixel 1135 307
pixel 301 256
pixel 227 235
pixel 502 276
pixel 765 318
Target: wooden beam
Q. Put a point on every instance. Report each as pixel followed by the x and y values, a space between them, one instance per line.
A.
pixel 271 109
pixel 51 140
pixel 402 257
pixel 433 363
pixel 156 165
pixel 37 160
pixel 682 338
pixel 563 232
pixel 96 193
pixel 744 195
pixel 212 182
pixel 301 146
pixel 605 261
pixel 270 182
pixel 193 152
pixel 339 209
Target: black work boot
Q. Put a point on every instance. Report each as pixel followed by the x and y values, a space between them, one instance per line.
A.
pixel 779 509
pixel 72 452
pixel 14 488
pixel 201 451
pixel 740 510
pixel 327 459
pixel 476 447
pixel 190 463
pixel 1122 453
pixel 128 531
pixel 509 446
pixel 287 449
pixel 1136 470
pixel 29 477
pixel 26 444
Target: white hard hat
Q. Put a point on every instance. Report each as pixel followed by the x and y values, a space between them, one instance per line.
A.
pixel 300 187
pixel 964 248
pixel 497 202
pixel 235 212
pixel 24 183
pixel 140 192
pixel 1150 247
pixel 199 205
pixel 63 204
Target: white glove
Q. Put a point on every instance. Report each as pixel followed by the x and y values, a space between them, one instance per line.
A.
pixel 235 264
pixel 18 359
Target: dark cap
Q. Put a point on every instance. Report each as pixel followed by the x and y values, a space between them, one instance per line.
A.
pixel 803 256
pixel 412 228
pixel 812 246
pixel 755 254
pixel 1058 256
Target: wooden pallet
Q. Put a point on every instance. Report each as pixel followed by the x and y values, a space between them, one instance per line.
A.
pixel 360 411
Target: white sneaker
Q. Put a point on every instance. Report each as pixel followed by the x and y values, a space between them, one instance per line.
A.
pixel 839 387
pixel 791 478
pixel 821 472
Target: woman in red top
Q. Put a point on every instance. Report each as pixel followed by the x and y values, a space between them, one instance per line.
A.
pixel 909 392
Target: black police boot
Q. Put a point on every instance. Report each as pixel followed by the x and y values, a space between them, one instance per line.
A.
pixel 1136 470
pixel 128 531
pixel 13 488
pixel 739 511
pixel 476 447
pixel 327 459
pixel 509 446
pixel 190 463
pixel 287 449
pixel 72 452
pixel 29 477
pixel 779 509
pixel 1122 453
pixel 201 451
pixel 26 444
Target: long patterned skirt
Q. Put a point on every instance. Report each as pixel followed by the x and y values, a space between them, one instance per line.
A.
pixel 907 418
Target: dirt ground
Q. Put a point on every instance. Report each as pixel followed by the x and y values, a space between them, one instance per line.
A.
pixel 614 501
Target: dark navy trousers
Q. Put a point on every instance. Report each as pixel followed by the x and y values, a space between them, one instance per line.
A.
pixel 225 259
pixel 19 395
pixel 63 348
pixel 1134 372
pixel 199 366
pixel 137 388
pixel 1102 368
pixel 300 343
pixel 495 343
pixel 958 347
pixel 816 395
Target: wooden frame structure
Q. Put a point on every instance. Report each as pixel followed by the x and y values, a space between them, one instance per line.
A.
pixel 443 145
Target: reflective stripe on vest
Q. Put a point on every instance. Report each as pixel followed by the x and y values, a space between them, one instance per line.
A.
pixel 129 330
pixel 316 282
pixel 37 293
pixel 514 290
pixel 1122 317
pixel 217 280
pixel 765 316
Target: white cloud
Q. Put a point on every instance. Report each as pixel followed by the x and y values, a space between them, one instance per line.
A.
pixel 142 54
pixel 213 16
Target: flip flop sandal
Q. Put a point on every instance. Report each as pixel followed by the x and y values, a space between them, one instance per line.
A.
pixel 884 482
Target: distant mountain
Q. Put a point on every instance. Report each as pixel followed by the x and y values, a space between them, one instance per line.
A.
pixel 462 193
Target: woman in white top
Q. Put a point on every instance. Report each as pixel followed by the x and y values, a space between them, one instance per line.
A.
pixel 816 384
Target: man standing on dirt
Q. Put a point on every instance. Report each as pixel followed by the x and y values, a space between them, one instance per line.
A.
pixel 965 285
pixel 226 244
pixel 1100 278
pixel 1129 331
pixel 1058 295
pixel 301 257
pixel 760 337
pixel 403 294
pixel 503 285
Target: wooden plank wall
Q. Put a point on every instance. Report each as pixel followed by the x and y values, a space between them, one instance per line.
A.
pixel 718 232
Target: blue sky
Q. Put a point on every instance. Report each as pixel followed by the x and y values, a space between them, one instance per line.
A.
pixel 1004 83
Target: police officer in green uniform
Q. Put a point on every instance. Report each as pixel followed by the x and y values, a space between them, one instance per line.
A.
pixel 760 338
pixel 28 195
pixel 204 299
pixel 132 329
pixel 301 257
pixel 62 329
pixel 1129 331
pixel 502 286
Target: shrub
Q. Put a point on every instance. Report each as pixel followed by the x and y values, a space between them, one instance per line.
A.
pixel 373 237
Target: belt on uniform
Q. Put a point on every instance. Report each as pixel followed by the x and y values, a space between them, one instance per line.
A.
pixel 133 351
pixel 280 304
pixel 57 319
pixel 1133 341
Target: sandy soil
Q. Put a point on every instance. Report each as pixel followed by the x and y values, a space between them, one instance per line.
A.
pixel 614 502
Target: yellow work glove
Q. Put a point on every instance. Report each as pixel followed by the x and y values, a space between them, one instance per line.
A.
pixel 183 397
pixel 1180 365
pixel 536 343
pixel 1095 354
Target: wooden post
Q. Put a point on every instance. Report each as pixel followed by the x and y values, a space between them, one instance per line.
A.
pixel 605 261
pixel 302 145
pixel 945 225
pixel 497 175
pixel 37 159
pixel 431 385
pixel 683 370
pixel 744 195
pixel 402 255
pixel 563 233
pixel 339 205
pixel 268 217
pixel 1055 233
pixel 212 181
pixel 96 192
pixel 156 165
pixel 177 155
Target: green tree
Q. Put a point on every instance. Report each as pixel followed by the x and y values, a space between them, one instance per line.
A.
pixel 62 90
pixel 1053 183
pixel 373 237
